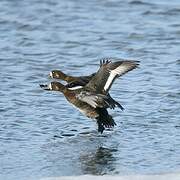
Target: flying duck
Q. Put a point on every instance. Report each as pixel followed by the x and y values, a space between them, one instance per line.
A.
pixel 71 80
pixel 74 81
pixel 93 98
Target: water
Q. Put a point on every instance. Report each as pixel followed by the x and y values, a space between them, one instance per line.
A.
pixel 41 135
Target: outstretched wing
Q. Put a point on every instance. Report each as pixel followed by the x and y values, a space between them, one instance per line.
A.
pixel 108 72
pixel 96 100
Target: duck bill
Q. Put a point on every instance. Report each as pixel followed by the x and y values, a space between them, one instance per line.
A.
pixel 50 75
pixel 46 87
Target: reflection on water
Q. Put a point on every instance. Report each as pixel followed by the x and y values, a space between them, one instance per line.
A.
pixel 100 162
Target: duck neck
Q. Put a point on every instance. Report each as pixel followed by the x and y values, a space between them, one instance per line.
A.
pixel 63 76
pixel 59 87
pixel 62 89
pixel 69 79
pixel 66 78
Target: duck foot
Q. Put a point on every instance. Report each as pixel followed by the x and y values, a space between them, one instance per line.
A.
pixel 100 128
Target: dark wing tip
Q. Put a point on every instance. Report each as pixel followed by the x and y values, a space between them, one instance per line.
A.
pixel 119 106
pixel 105 61
pixel 115 103
pixel 137 64
pixel 131 64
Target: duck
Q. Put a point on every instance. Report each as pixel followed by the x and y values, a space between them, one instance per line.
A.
pixel 74 82
pixel 93 98
pixel 71 80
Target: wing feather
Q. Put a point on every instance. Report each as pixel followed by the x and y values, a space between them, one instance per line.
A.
pixel 108 72
pixel 96 100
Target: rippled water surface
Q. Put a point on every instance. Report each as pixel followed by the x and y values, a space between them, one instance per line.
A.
pixel 41 135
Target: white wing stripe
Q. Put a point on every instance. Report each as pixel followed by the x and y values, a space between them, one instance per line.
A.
pixel 76 87
pixel 113 73
pixel 110 79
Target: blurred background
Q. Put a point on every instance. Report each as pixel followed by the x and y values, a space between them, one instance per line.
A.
pixel 41 135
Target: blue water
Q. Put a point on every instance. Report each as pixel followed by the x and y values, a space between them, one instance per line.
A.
pixel 41 135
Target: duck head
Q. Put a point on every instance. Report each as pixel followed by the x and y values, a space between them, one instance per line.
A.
pixel 53 86
pixel 57 74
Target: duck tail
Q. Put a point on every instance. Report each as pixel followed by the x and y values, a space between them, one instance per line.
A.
pixel 114 103
pixel 118 104
pixel 104 120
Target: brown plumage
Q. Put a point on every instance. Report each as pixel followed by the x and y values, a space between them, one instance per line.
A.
pixel 92 98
